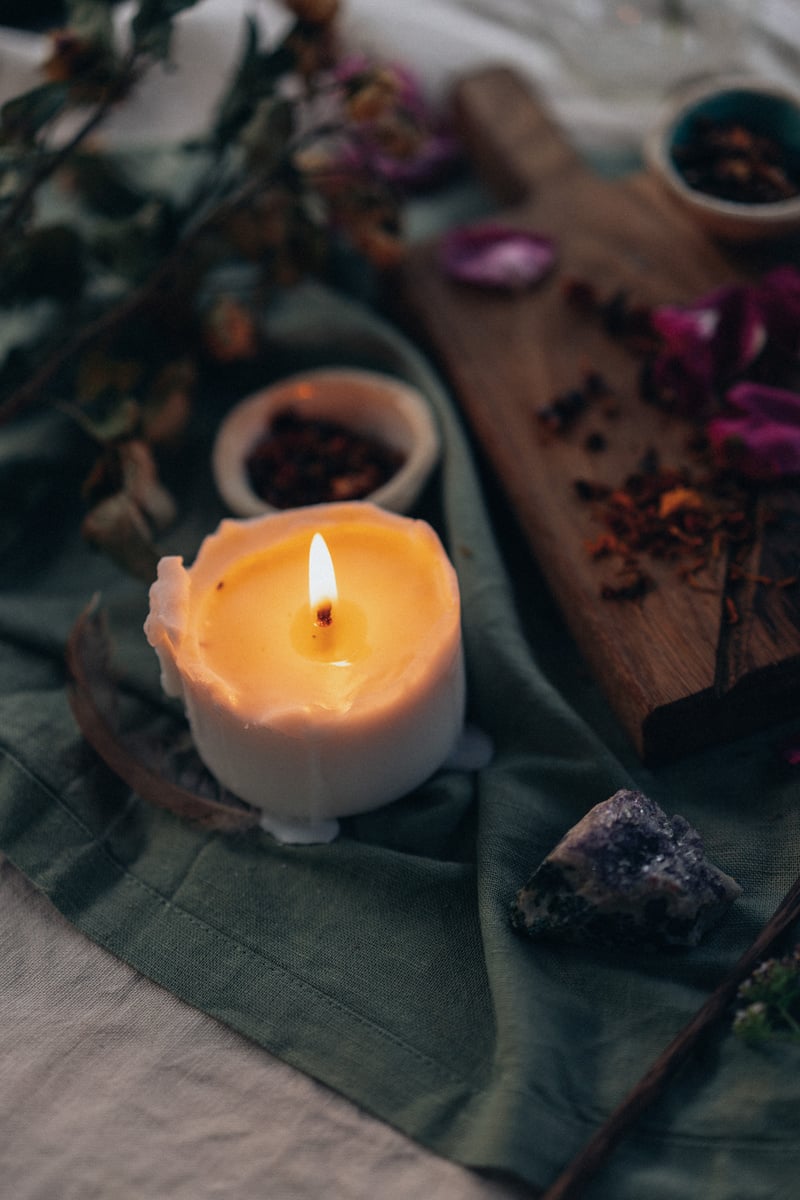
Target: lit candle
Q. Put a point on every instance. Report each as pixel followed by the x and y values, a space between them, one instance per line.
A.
pixel 318 655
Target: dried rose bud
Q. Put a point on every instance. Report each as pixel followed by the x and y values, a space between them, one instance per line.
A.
pixel 371 95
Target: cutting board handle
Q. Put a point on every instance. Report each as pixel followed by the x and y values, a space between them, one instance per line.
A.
pixel 510 139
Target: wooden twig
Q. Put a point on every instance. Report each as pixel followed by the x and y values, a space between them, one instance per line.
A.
pixel 92 695
pixel 578 1173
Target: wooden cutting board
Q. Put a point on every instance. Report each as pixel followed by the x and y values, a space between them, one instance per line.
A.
pixel 678 672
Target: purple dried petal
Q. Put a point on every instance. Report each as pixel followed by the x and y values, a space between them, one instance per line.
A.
pixel 761 400
pixel 409 93
pixel 430 164
pixel 740 333
pixel 762 439
pixel 707 343
pixel 683 369
pixel 495 256
pixel 436 149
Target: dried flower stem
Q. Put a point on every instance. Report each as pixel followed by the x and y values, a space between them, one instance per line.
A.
pixel 26 395
pixel 52 161
pixel 588 1162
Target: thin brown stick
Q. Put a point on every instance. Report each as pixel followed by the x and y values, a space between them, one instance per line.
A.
pixel 587 1163
pixel 92 697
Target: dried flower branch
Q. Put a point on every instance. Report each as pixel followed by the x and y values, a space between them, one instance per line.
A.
pixel 270 192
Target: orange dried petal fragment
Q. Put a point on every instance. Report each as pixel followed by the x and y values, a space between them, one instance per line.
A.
pixel 678 499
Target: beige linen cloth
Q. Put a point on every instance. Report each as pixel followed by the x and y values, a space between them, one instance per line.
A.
pixel 113 1089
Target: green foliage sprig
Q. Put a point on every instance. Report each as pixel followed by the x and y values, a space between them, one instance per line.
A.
pixel 769 1002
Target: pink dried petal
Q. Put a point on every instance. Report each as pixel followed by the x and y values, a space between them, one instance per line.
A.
pixel 438 149
pixel 430 164
pixel 762 439
pixel 683 369
pixel 495 256
pixel 761 400
pixel 740 334
pixel 707 343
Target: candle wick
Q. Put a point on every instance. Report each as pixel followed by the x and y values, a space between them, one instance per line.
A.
pixel 325 614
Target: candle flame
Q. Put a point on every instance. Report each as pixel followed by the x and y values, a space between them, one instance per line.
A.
pixel 322 591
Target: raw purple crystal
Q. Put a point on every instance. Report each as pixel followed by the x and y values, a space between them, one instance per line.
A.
pixel 626 874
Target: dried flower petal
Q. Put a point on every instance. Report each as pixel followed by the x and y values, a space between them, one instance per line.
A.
pixel 400 138
pixel 706 344
pixel 678 499
pixel 495 256
pixel 762 438
pixel 230 331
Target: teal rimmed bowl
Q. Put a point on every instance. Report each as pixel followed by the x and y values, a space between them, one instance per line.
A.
pixel 764 108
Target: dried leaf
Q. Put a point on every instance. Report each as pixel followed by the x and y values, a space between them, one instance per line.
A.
pixel 99 373
pixel 141 483
pixel 105 186
pixel 152 25
pixel 49 261
pixel 93 697
pixel 116 525
pixel 168 406
pixel 92 20
pixel 23 116
pixel 118 420
pixel 254 80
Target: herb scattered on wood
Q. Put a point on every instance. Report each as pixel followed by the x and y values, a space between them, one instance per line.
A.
pixel 726 365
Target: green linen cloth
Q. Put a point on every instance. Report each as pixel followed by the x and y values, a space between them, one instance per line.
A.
pixel 384 963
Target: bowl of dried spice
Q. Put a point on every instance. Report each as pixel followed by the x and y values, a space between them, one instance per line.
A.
pixel 335 433
pixel 729 151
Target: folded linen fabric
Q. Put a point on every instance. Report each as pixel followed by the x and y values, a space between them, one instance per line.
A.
pixel 385 963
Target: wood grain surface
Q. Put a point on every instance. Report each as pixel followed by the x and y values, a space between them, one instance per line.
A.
pixel 677 672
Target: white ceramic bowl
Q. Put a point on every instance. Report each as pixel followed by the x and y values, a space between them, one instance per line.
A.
pixel 760 105
pixel 368 402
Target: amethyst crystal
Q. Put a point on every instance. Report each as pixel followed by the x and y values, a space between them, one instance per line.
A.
pixel 626 874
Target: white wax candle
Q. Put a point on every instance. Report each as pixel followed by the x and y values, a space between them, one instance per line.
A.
pixel 312 714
